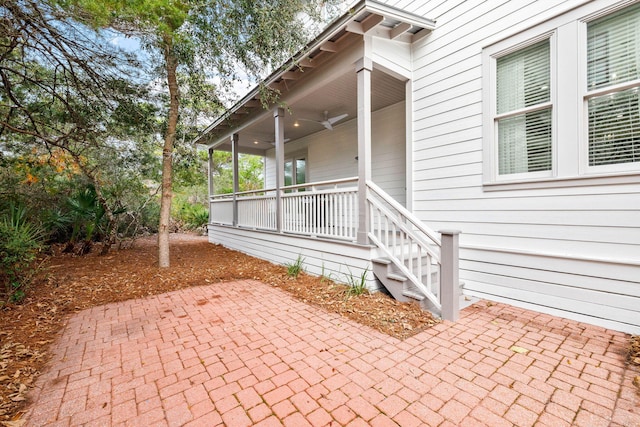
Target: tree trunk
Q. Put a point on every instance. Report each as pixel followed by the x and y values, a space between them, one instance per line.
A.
pixel 171 62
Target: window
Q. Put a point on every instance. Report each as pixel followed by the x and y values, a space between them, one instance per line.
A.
pixel 524 110
pixel 561 100
pixel 295 168
pixel 613 80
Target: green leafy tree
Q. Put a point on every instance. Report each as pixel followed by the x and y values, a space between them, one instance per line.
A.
pixel 204 39
pixel 250 170
pixel 64 88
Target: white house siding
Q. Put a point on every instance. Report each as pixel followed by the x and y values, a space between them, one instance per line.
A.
pixel 573 249
pixel 338 261
pixel 332 154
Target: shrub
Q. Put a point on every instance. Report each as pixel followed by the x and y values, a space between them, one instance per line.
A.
pixel 20 242
pixel 194 216
pixel 188 213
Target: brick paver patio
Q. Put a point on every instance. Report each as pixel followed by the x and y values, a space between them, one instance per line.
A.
pixel 245 353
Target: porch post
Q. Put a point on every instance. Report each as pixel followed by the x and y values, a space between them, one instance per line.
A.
pixel 278 115
pixel 236 185
pixel 363 70
pixel 210 182
pixel 449 275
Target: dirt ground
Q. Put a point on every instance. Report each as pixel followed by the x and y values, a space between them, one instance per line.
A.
pixel 71 283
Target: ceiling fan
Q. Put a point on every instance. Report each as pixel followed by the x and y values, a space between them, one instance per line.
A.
pixel 274 143
pixel 328 122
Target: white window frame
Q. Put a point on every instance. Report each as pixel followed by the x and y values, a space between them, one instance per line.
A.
pixel 585 168
pixel 569 96
pixel 294 168
pixel 491 59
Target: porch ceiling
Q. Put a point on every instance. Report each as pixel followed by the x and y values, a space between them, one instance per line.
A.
pixel 338 97
pixel 314 81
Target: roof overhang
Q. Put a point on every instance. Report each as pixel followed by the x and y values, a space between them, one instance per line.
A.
pixel 367 17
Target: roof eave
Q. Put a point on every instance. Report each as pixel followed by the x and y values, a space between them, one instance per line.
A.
pixel 330 31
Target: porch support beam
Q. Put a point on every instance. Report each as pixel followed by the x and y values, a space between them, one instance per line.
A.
pixel 449 275
pixel 399 30
pixel 210 182
pixel 236 183
pixel 278 115
pixel 363 70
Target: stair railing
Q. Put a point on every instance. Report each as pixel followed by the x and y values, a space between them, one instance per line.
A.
pixel 405 241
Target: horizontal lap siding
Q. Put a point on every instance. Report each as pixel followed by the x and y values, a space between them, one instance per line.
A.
pixel 388 151
pixel 337 261
pixel 571 250
pixel 332 154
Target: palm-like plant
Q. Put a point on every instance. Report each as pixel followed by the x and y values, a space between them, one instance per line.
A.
pixel 86 217
pixel 20 242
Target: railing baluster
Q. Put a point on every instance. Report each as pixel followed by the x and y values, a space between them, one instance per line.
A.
pixel 314 213
pixel 410 253
pixel 394 236
pixel 429 281
pixel 286 209
pixel 307 220
pixel 341 215
pixel 322 208
pixel 338 227
pixel 419 275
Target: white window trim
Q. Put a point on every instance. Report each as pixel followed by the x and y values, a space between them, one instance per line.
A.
pixel 568 35
pixel 584 167
pixel 490 122
pixel 298 155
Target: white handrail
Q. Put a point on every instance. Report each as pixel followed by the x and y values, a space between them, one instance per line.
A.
pixel 404 228
pixel 288 187
pixel 405 213
pixel 240 193
pixel 321 183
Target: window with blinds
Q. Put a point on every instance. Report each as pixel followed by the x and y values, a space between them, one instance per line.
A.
pixel 613 92
pixel 523 107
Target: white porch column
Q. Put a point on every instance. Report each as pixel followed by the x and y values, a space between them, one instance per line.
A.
pixel 210 182
pixel 363 69
pixel 236 184
pixel 278 115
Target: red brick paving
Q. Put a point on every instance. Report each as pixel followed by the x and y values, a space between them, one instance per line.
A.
pixel 245 353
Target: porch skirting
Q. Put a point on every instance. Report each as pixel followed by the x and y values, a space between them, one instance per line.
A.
pixel 337 260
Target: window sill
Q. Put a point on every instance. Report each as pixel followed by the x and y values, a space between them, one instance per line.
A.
pixel 560 182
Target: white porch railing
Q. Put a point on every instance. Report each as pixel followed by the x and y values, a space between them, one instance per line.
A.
pixel 221 209
pixel 324 209
pixel 256 210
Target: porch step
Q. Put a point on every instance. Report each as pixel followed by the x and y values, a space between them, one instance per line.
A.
pixel 397 277
pixel 401 288
pixel 392 281
pixel 413 295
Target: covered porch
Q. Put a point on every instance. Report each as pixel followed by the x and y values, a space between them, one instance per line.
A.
pixel 337 164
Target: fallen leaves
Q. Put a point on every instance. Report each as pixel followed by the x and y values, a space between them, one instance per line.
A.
pixel 520 350
pixel 16 374
pixel 634 350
